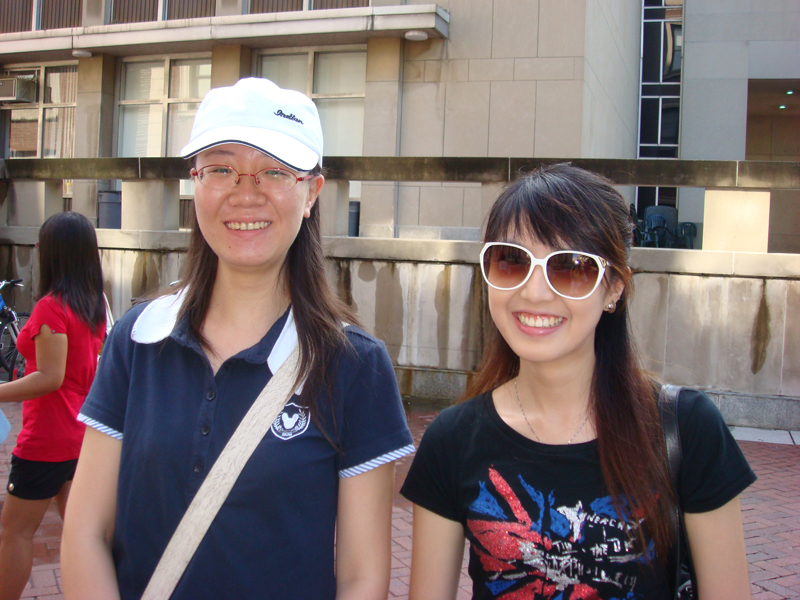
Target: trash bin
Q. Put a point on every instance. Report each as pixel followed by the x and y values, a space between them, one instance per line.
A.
pixel 353 218
pixel 109 210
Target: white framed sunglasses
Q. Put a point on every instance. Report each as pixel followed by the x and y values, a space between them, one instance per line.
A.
pixel 569 273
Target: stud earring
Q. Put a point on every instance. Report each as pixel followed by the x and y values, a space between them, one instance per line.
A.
pixel 611 307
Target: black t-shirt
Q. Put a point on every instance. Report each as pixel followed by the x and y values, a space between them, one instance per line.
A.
pixel 539 519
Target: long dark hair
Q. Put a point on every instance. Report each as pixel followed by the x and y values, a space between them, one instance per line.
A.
pixel 318 313
pixel 69 266
pixel 565 207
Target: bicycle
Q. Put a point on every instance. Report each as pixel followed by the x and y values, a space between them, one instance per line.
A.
pixel 11 322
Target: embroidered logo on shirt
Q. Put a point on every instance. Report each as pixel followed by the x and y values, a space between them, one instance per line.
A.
pixel 292 421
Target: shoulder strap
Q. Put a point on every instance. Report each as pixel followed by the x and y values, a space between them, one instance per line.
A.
pixel 216 486
pixel 668 409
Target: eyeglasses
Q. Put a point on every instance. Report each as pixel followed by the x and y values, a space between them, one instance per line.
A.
pixel 570 274
pixel 223 178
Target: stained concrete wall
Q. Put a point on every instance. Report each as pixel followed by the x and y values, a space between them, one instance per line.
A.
pixel 730 323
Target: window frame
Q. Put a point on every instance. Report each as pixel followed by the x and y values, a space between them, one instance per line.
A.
pixel 311 52
pixel 165 100
pixel 40 105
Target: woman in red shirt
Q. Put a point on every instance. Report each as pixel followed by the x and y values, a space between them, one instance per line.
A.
pixel 61 342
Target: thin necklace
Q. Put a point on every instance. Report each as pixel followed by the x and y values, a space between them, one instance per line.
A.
pixel 524 416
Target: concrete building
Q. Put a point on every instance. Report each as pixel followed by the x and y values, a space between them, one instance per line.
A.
pixel 698 79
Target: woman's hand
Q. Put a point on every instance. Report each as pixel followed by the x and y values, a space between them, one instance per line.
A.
pixel 86 563
pixel 51 365
pixel 716 539
pixel 364 535
pixel 436 556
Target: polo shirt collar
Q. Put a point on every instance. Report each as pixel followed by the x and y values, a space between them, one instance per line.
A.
pixel 159 320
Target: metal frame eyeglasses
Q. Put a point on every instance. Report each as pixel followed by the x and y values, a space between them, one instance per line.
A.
pixel 223 177
pixel 570 270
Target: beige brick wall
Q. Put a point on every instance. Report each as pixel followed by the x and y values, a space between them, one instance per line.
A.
pixel 523 78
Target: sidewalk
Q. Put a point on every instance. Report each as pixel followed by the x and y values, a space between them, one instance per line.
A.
pixel 770 512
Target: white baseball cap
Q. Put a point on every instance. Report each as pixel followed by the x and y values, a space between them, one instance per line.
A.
pixel 281 123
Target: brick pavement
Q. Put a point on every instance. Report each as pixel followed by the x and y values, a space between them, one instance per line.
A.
pixel 770 513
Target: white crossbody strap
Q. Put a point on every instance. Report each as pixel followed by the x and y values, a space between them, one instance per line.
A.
pixel 220 480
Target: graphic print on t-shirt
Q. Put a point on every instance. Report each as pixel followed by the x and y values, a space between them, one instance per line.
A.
pixel 292 421
pixel 534 545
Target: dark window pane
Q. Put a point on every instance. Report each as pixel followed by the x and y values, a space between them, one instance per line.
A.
pixel 134 11
pixel 651 53
pixel 667 196
pixel 645 196
pixel 325 4
pixel 665 89
pixel 649 127
pixel 667 152
pixel 190 9
pixel 652 2
pixel 56 14
pixel 654 14
pixel 270 6
pixel 671 89
pixel 648 152
pixel 673 49
pixel 670 113
pixel 651 90
pixel 15 15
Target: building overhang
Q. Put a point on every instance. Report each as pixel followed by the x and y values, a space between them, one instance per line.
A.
pixel 267 30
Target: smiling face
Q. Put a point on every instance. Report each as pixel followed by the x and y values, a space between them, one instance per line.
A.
pixel 542 327
pixel 247 228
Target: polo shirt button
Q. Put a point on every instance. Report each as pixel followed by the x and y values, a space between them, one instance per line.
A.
pixel 211 395
pixel 198 468
pixel 204 430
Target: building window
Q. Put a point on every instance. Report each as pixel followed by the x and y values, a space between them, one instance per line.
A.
pixel 44 127
pixel 157 103
pixel 158 99
pixel 336 81
pixel 660 87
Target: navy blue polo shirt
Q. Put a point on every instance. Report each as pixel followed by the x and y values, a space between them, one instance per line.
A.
pixel 274 537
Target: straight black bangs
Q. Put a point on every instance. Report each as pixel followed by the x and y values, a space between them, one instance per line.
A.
pixel 566 208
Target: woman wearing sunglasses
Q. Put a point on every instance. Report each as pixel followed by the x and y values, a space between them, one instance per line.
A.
pixel 180 373
pixel 555 469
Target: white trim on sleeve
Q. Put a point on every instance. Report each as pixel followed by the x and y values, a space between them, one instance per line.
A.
pixel 377 462
pixel 99 426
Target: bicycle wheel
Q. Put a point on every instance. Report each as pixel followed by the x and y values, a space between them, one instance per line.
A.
pixel 10 358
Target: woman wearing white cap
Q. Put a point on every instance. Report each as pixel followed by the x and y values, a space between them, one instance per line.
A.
pixel 178 375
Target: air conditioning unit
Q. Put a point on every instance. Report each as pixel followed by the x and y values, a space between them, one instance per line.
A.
pixel 17 89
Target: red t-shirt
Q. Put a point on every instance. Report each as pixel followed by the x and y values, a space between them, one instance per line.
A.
pixel 50 429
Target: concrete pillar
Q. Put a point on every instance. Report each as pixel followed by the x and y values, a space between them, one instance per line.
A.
pixel 229 64
pixel 382 101
pixel 31 202
pixel 736 221
pixel 489 193
pixel 94 122
pixel 232 7
pixel 334 207
pixel 152 205
pixel 95 12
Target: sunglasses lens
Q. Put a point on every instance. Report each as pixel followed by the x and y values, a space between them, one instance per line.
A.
pixel 573 274
pixel 506 267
